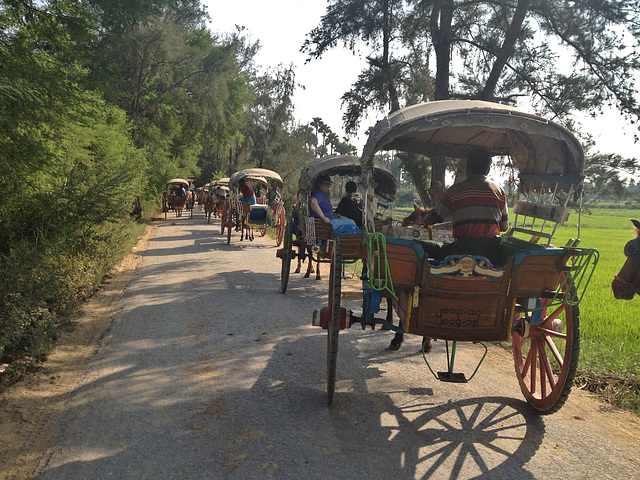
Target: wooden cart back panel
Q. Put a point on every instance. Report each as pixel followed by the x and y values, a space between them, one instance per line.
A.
pixel 352 248
pixel 404 263
pixel 537 271
pixel 462 309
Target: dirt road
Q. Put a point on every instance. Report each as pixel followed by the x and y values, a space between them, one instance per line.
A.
pixel 189 364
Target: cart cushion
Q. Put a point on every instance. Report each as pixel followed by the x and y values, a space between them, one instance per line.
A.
pixel 258 214
pixel 409 243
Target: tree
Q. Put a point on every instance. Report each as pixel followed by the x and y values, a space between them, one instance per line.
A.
pixel 181 87
pixel 603 174
pixel 270 116
pixel 493 51
pixel 387 78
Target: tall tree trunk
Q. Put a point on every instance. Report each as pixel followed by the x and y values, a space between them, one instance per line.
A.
pixel 441 18
pixel 506 50
pixel 416 167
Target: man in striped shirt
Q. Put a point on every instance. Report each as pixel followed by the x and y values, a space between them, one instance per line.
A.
pixel 478 209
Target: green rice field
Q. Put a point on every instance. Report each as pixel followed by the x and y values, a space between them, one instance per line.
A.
pixel 610 328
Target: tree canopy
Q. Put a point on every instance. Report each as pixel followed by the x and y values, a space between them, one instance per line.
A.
pixel 103 102
pixel 560 59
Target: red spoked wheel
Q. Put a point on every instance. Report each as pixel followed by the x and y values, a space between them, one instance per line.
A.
pixel 335 288
pixel 262 229
pixel 279 226
pixel 546 355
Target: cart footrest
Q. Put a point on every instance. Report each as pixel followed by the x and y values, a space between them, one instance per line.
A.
pixel 452 377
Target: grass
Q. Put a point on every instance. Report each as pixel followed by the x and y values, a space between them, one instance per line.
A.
pixel 610 328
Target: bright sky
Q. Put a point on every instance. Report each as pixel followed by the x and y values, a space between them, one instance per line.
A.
pixel 281 27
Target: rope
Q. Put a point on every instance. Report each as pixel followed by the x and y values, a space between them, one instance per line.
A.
pixel 376 249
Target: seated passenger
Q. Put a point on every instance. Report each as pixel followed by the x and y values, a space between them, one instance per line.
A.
pixel 351 205
pixel 321 205
pixel 248 194
pixel 478 208
pixel 221 193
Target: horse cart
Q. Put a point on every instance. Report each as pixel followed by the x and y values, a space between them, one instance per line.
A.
pixel 267 212
pixel 530 299
pixel 176 197
pixel 215 194
pixel 308 237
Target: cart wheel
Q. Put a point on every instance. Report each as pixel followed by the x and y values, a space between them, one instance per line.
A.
pixel 335 287
pixel 223 220
pixel 279 226
pixel 546 357
pixel 229 226
pixel 286 258
pixel 262 229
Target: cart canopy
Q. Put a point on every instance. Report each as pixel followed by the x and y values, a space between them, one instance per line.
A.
pixel 261 175
pixel 346 165
pixel 222 182
pixel 541 150
pixel 178 181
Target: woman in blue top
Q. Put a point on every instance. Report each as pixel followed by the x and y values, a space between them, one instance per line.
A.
pixel 321 205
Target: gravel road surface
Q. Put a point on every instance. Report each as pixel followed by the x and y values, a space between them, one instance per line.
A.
pixel 205 370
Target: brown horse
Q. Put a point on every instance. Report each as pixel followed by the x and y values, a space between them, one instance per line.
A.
pixel 627 282
pixel 305 254
pixel 416 218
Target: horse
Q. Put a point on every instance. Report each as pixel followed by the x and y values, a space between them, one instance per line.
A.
pixel 627 282
pixel 415 218
pixel 305 253
pixel 246 229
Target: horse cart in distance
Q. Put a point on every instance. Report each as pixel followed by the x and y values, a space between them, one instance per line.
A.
pixel 215 194
pixel 306 237
pixel 531 298
pixel 268 210
pixel 176 197
pixel 205 200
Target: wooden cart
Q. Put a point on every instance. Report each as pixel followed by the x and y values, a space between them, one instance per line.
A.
pixel 309 237
pixel 531 298
pixel 268 211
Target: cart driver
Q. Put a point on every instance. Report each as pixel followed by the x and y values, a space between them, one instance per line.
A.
pixel 478 208
pixel 248 194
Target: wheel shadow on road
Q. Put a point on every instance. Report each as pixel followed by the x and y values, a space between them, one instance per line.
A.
pixel 393 434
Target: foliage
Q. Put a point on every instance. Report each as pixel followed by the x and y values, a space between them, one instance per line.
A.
pixel 559 60
pixel 180 86
pixel 69 171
